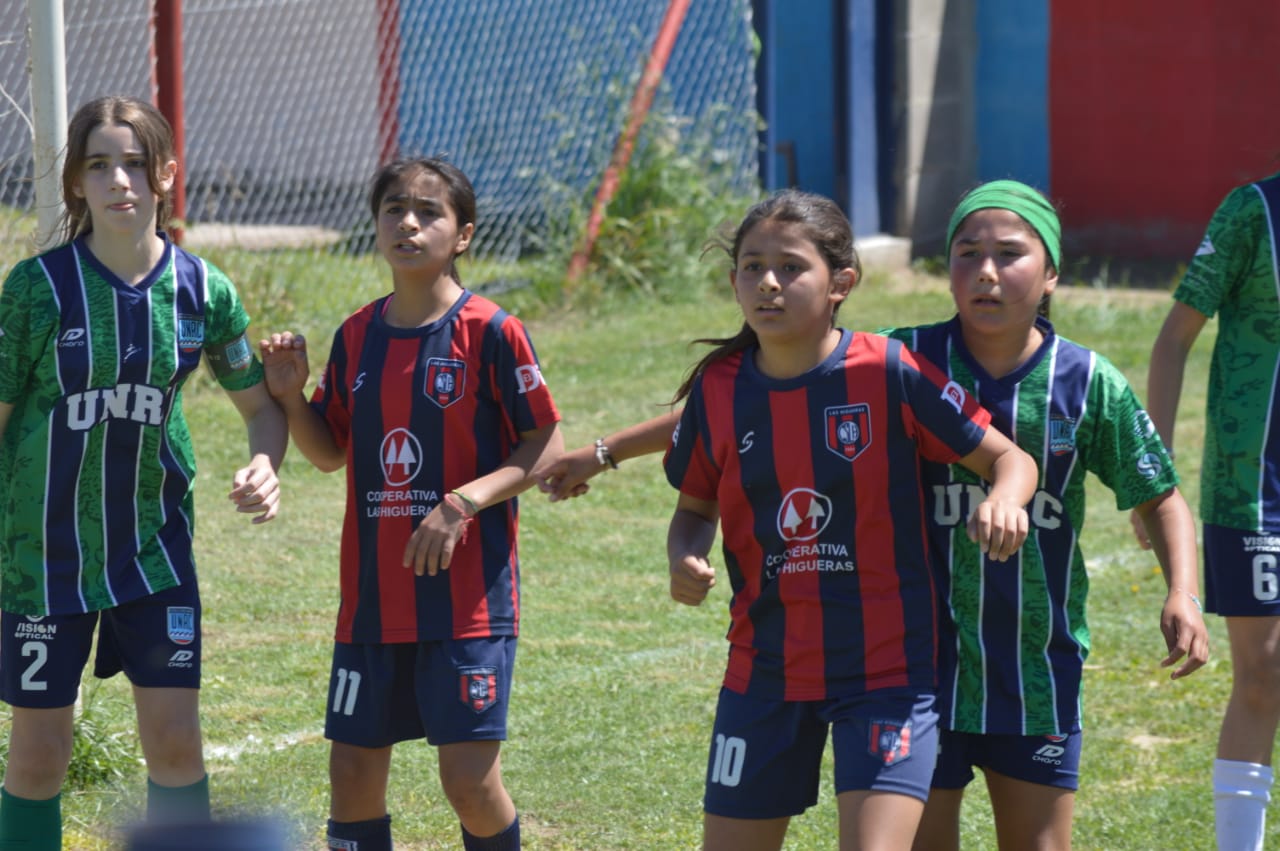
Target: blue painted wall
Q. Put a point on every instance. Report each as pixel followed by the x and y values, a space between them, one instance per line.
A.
pixel 1012 90
pixel 824 94
pixel 797 79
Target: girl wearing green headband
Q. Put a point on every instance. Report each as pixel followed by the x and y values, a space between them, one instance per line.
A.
pixel 1010 691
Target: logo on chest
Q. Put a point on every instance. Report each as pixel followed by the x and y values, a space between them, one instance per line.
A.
pixel 190 333
pixel 803 515
pixel 848 430
pixel 401 457
pixel 445 381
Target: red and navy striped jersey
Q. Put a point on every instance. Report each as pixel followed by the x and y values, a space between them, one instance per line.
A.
pixel 822 517
pixel 421 411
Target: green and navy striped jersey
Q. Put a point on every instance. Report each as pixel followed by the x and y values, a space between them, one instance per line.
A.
pixel 96 465
pixel 1020 635
pixel 1234 275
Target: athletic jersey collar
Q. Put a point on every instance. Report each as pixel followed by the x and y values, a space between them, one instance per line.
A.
pixel 82 251
pixel 380 322
pixel 956 336
pixel 832 362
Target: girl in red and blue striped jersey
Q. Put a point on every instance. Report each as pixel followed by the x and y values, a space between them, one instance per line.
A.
pixel 805 442
pixel 434 401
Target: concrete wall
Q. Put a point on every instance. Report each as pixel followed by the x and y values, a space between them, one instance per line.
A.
pixel 937 152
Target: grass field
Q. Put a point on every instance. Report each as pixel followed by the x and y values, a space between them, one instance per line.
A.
pixel 616 683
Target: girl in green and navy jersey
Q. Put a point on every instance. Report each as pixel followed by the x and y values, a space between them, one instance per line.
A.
pixel 1010 691
pixel 97 337
pixel 1234 275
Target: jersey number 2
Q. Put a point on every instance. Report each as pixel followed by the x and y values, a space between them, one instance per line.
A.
pixel 41 654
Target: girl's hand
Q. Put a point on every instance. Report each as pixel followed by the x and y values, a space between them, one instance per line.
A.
pixel 430 548
pixel 692 577
pixel 998 527
pixel 1185 634
pixel 284 361
pixel 255 489
pixel 567 477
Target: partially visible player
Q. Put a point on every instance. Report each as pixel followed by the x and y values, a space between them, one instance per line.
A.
pixel 97 337
pixel 805 442
pixel 434 402
pixel 1010 696
pixel 1234 276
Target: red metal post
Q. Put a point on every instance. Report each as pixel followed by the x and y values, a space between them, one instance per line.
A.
pixel 641 100
pixel 388 79
pixel 167 23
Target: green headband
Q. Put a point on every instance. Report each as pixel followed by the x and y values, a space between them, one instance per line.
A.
pixel 1018 198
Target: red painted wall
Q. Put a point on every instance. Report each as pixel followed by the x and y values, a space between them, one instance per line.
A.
pixel 1156 109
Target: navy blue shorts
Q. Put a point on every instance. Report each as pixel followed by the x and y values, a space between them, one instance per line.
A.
pixel 1241 572
pixel 155 640
pixel 766 755
pixel 443 691
pixel 1044 760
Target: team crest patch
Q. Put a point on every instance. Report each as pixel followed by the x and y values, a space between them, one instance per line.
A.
pixel 190 333
pixel 182 624
pixel 888 742
pixel 478 687
pixel 848 430
pixel 446 379
pixel 1062 435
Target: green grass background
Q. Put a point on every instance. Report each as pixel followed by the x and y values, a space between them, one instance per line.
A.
pixel 615 685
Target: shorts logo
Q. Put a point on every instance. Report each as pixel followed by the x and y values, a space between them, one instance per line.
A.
pixel 478 687
pixel 182 624
pixel 1051 754
pixel 889 742
pixel 190 333
pixel 1062 435
pixel 181 659
pixel 803 515
pixel 528 377
pixel 445 381
pixel 848 430
pixel 401 457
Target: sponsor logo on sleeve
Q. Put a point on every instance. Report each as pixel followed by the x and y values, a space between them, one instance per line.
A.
pixel 528 378
pixel 953 394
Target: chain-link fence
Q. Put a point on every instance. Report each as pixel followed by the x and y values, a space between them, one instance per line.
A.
pixel 290 104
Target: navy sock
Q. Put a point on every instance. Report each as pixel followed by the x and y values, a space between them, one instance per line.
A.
pixel 507 840
pixel 370 835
